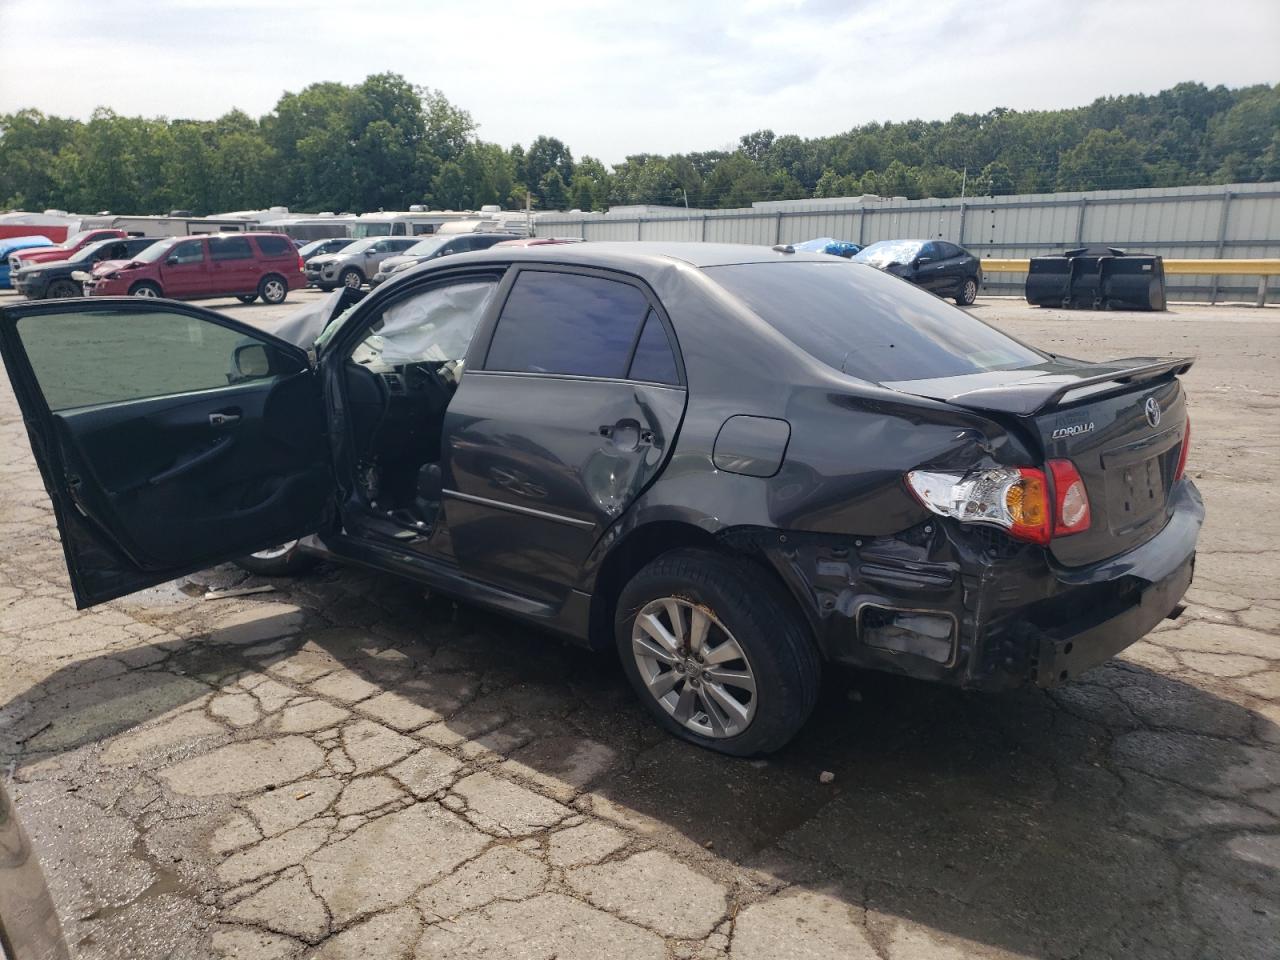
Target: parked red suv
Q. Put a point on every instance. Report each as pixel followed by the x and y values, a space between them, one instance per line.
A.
pixel 244 265
pixel 66 250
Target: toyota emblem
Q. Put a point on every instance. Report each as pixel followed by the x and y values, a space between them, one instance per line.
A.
pixel 1152 409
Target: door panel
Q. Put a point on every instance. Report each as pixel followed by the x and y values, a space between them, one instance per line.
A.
pixel 158 464
pixel 537 468
pixel 188 277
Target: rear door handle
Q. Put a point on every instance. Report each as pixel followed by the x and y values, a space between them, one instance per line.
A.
pixel 223 419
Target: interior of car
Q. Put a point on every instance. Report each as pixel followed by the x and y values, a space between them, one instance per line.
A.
pixel 399 382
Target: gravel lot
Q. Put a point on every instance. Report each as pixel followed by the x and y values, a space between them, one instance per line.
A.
pixel 345 767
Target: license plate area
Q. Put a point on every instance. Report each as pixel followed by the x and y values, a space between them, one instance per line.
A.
pixel 1135 493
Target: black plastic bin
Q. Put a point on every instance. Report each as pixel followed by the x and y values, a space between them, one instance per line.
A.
pixel 1097 278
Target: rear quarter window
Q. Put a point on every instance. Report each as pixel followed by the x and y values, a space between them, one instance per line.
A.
pixel 273 246
pixel 869 324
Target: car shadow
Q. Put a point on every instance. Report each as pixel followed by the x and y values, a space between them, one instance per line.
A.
pixel 1114 816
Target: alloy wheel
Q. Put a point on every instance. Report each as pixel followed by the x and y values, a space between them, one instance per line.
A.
pixel 352 280
pixel 145 292
pixel 273 291
pixel 691 664
pixel 970 292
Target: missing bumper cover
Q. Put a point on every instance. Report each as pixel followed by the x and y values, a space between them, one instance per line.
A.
pixel 921 633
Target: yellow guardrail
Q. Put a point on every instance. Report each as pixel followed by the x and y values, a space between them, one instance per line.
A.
pixel 1262 269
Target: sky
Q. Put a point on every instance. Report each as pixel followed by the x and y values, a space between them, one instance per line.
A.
pixel 612 79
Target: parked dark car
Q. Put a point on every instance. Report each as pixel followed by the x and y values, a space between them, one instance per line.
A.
pixel 727 463
pixel 936 265
pixel 317 248
pixel 243 265
pixel 73 244
pixel 55 279
pixel 29 927
pixel 433 247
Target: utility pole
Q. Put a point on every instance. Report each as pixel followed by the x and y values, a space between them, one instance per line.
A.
pixel 964 179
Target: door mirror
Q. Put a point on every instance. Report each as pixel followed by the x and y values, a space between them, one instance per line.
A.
pixel 172 261
pixel 250 362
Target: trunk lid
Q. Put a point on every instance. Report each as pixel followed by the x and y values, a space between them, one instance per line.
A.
pixel 1121 423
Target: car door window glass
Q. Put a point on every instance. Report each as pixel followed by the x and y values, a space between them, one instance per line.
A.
pixel 562 323
pixel 230 248
pixel 274 246
pixel 192 251
pixel 433 326
pixel 94 357
pixel 653 361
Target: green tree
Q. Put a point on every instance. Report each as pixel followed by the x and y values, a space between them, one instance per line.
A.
pixel 552 190
pixel 1104 160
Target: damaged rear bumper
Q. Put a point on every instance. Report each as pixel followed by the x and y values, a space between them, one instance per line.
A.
pixel 968 606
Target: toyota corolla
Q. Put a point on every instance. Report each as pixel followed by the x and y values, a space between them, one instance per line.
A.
pixel 730 464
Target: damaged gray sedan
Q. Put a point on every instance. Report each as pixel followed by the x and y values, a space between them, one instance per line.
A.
pixel 728 464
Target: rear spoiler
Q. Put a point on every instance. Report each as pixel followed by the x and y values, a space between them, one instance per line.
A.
pixel 1029 397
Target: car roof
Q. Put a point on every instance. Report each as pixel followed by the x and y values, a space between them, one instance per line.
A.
pixel 652 253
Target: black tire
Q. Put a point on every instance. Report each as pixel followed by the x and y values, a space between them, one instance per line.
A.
pixel 273 288
pixel 145 288
pixel 968 292
pixel 61 289
pixel 351 277
pixel 246 297
pixel 289 563
pixel 763 620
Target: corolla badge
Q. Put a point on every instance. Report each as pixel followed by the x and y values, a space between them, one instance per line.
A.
pixel 1061 433
pixel 1152 410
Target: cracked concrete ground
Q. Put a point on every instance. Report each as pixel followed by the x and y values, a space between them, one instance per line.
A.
pixel 346 768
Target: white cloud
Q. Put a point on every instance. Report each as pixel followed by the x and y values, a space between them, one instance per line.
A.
pixel 618 78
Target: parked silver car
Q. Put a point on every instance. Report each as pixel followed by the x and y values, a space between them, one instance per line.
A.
pixel 28 922
pixel 354 264
pixel 437 246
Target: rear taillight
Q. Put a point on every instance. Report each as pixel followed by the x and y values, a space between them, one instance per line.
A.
pixel 301 266
pixel 1182 454
pixel 1070 499
pixel 1014 498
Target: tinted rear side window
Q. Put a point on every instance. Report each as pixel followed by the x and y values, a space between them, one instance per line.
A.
pixel 230 248
pixel 870 324
pixel 567 324
pixel 274 246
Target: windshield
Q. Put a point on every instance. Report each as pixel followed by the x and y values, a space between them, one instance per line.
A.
pixel 424 248
pixel 885 252
pixel 75 238
pixel 157 250
pixel 870 324
pixel 93 248
pixel 358 246
pixel 328 245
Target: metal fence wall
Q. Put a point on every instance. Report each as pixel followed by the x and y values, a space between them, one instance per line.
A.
pixel 1233 221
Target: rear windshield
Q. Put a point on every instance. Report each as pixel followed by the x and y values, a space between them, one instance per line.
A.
pixel 870 324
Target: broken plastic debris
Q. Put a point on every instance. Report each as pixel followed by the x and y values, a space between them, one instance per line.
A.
pixel 826 776
pixel 238 592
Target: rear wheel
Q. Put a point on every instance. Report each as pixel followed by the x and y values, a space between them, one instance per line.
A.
pixel 351 277
pixel 61 289
pixel 968 292
pixel 273 289
pixel 246 297
pixel 279 561
pixel 145 288
pixel 717 653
